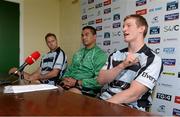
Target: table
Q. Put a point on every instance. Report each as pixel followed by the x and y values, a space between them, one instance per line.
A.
pixel 60 103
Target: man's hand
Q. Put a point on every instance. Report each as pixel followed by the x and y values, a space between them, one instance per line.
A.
pixel 12 70
pixel 130 60
pixel 68 82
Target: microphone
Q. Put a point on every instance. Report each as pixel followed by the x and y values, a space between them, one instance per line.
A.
pixel 28 61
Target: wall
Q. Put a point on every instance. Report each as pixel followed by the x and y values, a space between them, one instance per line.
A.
pixel 39 18
pixel 70 30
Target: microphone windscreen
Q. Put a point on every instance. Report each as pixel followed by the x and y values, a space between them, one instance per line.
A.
pixel 32 58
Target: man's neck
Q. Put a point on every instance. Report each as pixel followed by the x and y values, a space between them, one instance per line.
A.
pixel 90 46
pixel 135 46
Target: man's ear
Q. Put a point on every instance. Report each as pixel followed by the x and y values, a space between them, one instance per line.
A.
pixel 142 28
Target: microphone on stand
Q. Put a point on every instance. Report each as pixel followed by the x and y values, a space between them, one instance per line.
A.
pixel 28 61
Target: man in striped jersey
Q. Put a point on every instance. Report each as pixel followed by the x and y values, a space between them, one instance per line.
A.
pixel 53 64
pixel 132 72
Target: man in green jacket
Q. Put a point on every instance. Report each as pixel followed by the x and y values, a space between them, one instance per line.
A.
pixel 81 75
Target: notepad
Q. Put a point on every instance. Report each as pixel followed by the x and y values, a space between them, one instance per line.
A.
pixel 28 88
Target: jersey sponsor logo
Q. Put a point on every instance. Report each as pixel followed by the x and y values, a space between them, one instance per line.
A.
pixel 170 17
pixel 169 50
pixel 177 99
pixel 117 25
pixel 154 30
pixel 171 28
pixel 161 108
pixel 176 112
pixel 141 12
pixel 169 62
pixel 172 5
pixel 146 75
pixel 163 96
pixel 108 10
pixel 153 40
pixel 140 2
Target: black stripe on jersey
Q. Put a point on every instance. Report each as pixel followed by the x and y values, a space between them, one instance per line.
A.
pixel 48 60
pixel 150 59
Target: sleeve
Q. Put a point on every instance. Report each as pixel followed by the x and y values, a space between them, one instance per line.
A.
pixel 60 61
pixel 99 61
pixel 150 75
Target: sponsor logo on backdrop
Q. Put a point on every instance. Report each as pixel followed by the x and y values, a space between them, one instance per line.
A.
pixel 99 13
pixel 107 35
pixel 154 30
pixel 115 42
pixel 117 25
pixel 91 22
pixel 90 15
pixel 84 3
pixel 170 39
pixel 108 51
pixel 141 12
pixel 90 1
pixel 98 28
pixel 99 36
pixel 84 24
pixel 116 17
pixel 155 20
pixel 107 43
pixel 172 5
pixel 84 11
pixel 107 11
pixel 169 50
pixel 154 40
pixel 169 73
pixel 169 62
pixel 165 85
pixel 157 50
pixel 146 75
pixel 98 5
pixel 178 74
pixel 91 8
pixel 84 17
pixel 116 8
pixel 163 96
pixel 177 99
pixel 170 17
pixel 140 2
pixel 171 28
pixel 107 19
pixel 107 27
pixel 161 108
pixel 98 21
pixel 118 33
pixel 98 44
pixel 155 9
pixel 176 112
pixel 107 2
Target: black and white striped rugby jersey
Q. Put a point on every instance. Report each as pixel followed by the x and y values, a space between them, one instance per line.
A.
pixel 146 72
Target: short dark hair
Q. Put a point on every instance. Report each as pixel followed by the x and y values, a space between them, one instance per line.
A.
pixel 92 29
pixel 50 34
pixel 140 21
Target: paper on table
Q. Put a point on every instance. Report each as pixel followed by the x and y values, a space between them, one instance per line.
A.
pixel 28 88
